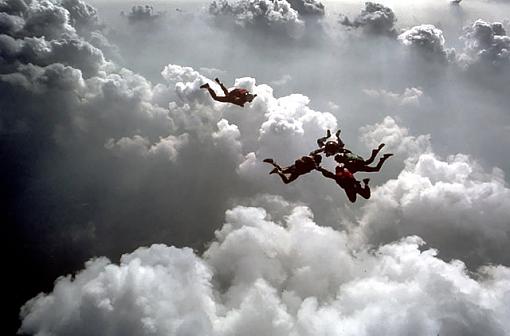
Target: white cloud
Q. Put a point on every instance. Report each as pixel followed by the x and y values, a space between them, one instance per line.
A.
pixel 410 97
pixel 375 19
pixel 428 41
pixel 452 203
pixel 277 17
pixel 486 43
pixel 265 278
pixel 396 138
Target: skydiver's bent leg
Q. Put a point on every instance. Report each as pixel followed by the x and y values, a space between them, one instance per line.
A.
pixel 225 90
pixel 274 164
pixel 215 97
pixel 381 161
pixel 289 179
pixel 338 140
pixel 351 193
pixel 374 154
pixel 322 141
pixel 365 191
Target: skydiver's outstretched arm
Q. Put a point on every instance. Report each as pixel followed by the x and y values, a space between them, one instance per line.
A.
pixel 317 151
pixel 326 172
pixel 225 90
pixel 374 154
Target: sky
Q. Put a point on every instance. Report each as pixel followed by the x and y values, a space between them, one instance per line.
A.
pixel 136 205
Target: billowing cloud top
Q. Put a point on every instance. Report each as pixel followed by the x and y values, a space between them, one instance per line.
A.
pixel 141 13
pixel 486 43
pixel 308 7
pixel 277 16
pixel 375 18
pixel 426 40
pixel 260 277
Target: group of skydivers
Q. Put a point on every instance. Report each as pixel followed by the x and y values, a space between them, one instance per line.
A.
pixel 348 162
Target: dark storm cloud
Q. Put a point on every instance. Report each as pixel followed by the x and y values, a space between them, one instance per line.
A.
pixel 375 19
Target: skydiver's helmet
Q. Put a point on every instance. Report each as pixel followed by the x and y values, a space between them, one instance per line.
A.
pixel 332 148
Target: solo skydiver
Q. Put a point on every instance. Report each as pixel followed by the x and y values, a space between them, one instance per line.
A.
pixel 236 96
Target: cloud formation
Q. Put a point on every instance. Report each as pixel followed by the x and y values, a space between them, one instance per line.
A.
pixel 308 7
pixel 141 13
pixel 260 277
pixel 428 41
pixel 486 43
pixel 452 203
pixel 375 19
pixel 277 17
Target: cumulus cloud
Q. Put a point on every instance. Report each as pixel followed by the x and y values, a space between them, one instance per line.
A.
pixel 141 13
pixel 453 203
pixel 428 41
pixel 375 19
pixel 486 43
pixel 261 277
pixel 277 17
pixel 396 138
pixel 308 7
pixel 410 97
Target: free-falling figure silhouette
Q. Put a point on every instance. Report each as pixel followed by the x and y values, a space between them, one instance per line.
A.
pixel 301 166
pixel 355 163
pixel 345 179
pixel 236 96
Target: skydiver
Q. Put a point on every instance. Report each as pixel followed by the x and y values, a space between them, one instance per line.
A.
pixel 330 147
pixel 302 166
pixel 237 96
pixel 355 163
pixel 344 178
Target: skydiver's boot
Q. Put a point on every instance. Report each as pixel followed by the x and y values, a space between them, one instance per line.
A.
pixel 204 86
pixel 271 161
